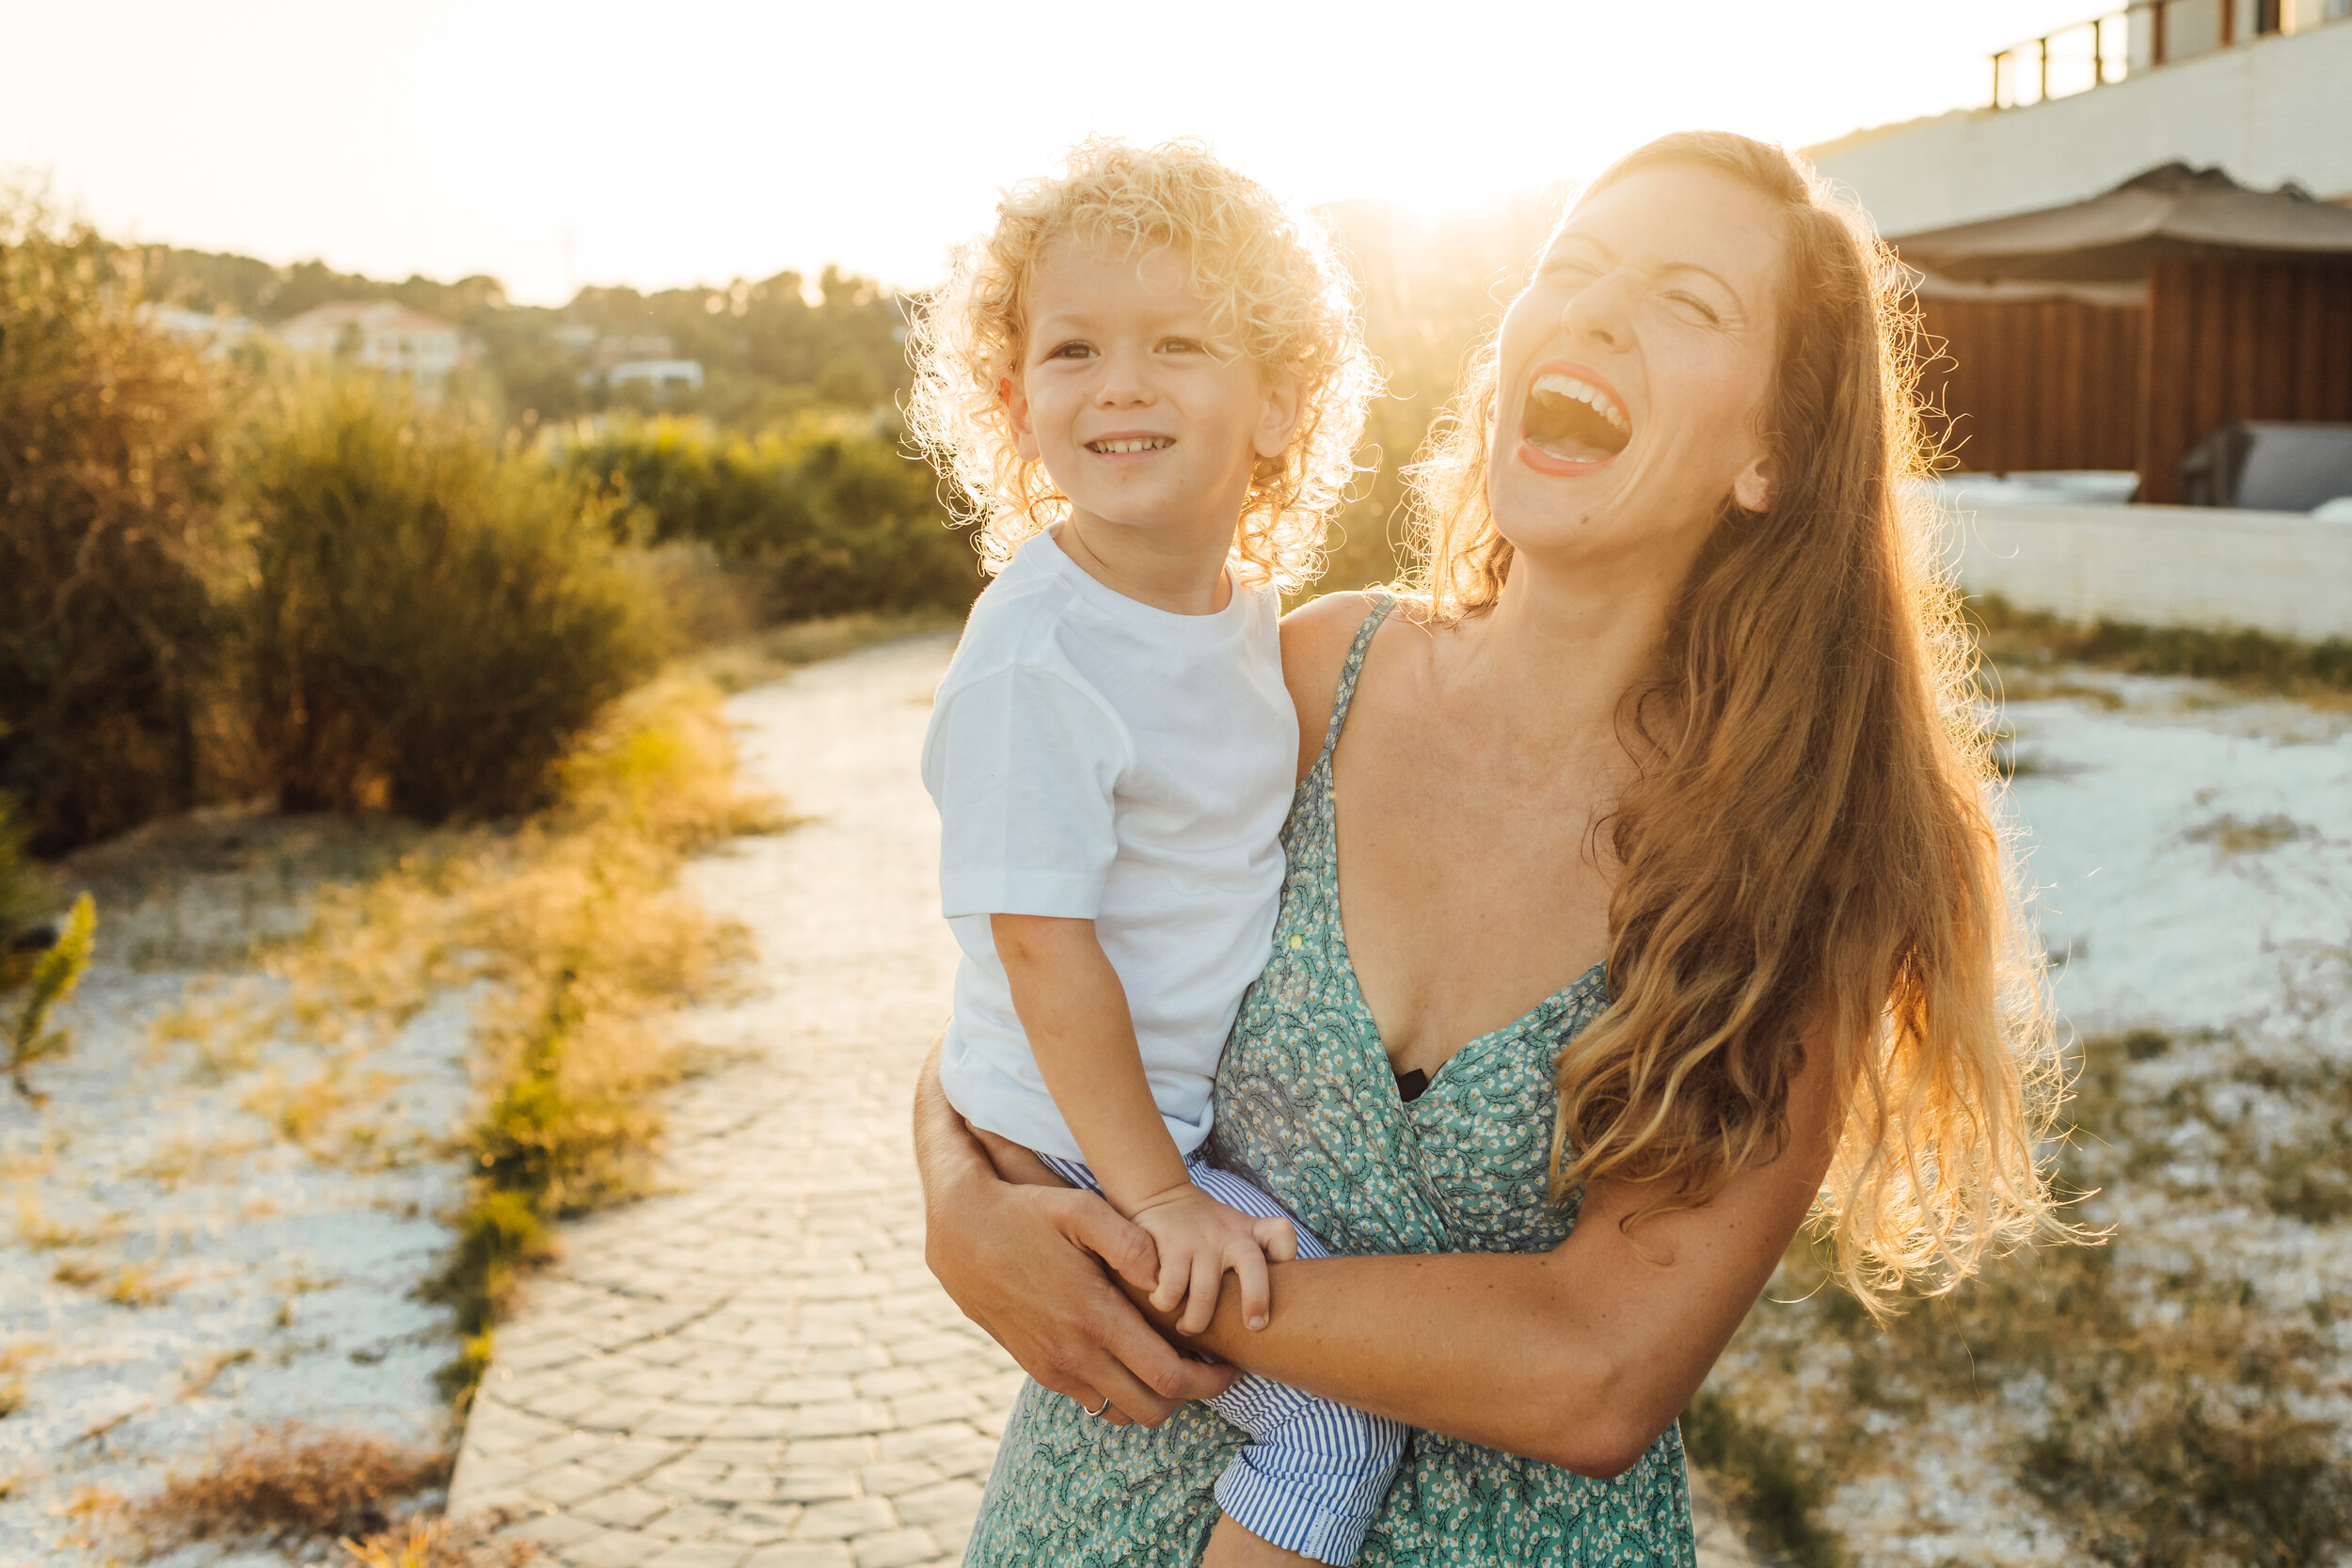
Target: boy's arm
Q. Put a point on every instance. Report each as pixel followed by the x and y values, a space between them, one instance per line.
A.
pixel 1074 1012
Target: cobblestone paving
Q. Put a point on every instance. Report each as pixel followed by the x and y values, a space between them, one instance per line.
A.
pixel 754 1369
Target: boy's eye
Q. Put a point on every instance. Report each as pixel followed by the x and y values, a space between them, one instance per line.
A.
pixel 1180 345
pixel 1697 306
pixel 1070 351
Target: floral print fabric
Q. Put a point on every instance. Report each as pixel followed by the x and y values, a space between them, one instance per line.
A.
pixel 1307 1108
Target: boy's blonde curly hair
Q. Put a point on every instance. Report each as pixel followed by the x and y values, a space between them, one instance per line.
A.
pixel 1276 294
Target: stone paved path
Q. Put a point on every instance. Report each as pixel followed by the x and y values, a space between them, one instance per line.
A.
pixel 754 1370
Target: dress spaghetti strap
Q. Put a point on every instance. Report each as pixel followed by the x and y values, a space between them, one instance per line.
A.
pixel 1381 604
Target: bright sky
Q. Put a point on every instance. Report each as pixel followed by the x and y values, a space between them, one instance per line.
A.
pixel 699 140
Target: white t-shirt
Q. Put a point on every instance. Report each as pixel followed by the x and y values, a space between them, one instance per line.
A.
pixel 1095 758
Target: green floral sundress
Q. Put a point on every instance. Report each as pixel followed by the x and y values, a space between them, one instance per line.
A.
pixel 1308 1107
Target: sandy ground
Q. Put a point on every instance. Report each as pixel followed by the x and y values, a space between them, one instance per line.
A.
pixel 176 1270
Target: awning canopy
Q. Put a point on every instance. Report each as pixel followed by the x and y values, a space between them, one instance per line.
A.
pixel 2170 211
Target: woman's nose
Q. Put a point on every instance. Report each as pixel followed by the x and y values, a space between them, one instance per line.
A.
pixel 1596 313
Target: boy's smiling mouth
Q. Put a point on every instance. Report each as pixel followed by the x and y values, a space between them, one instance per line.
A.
pixel 1573 422
pixel 1120 446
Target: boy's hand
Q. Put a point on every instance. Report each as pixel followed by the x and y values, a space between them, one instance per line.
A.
pixel 1199 1239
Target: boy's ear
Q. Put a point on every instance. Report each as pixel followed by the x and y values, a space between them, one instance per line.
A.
pixel 1016 403
pixel 1278 420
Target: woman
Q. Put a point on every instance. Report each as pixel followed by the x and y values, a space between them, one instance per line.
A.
pixel 1667 799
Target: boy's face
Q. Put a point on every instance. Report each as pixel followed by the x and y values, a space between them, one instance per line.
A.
pixel 1139 419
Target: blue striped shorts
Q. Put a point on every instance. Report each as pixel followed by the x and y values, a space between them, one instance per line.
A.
pixel 1314 1472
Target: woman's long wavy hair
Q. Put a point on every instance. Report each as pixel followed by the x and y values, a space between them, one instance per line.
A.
pixel 1808 853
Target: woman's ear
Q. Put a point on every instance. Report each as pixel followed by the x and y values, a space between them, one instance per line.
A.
pixel 1278 420
pixel 1753 489
pixel 1016 402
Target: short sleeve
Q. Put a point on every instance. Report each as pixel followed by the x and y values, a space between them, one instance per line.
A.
pixel 1024 764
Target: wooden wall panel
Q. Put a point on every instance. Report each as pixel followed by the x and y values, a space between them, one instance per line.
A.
pixel 2239 341
pixel 2034 384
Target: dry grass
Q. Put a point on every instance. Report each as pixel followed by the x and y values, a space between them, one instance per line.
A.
pixel 2019 642
pixel 778 651
pixel 436 1543
pixel 2232 835
pixel 2168 1399
pixel 287 1485
pixel 200 1375
pixel 571 919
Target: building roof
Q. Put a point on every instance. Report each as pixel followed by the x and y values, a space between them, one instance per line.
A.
pixel 2171 211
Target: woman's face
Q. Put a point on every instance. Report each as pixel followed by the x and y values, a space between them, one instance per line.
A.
pixel 1633 371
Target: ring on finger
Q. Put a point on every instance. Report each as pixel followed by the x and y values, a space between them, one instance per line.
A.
pixel 1106 1405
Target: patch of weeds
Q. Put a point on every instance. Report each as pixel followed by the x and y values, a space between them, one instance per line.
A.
pixel 288 1486
pixel 2253 661
pixel 50 979
pixel 2232 835
pixel 202 1373
pixel 436 1543
pixel 1763 1478
pixel 37 1231
pixel 572 919
pixel 328 1114
pixel 2152 1405
pixel 135 1285
pixel 77 1273
pixel 2188 1452
pixel 182 1158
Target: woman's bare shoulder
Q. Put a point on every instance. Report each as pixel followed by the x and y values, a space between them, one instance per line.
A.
pixel 1315 639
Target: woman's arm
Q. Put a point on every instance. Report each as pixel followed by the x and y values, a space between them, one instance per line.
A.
pixel 1579 1356
pixel 1026 1263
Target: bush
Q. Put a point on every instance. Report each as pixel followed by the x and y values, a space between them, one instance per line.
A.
pixel 826 511
pixel 108 494
pixel 430 622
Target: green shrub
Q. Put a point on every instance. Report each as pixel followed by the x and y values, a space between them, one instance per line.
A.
pixel 55 971
pixel 827 512
pixel 432 620
pixel 109 534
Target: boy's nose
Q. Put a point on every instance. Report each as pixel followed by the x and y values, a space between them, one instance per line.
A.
pixel 1126 380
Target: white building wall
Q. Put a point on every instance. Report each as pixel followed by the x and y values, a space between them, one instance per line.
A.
pixel 2269 110
pixel 2278 572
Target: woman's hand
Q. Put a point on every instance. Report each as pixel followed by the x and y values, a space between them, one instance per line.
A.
pixel 1027 1264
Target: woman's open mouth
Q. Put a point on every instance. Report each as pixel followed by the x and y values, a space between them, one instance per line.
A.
pixel 1573 422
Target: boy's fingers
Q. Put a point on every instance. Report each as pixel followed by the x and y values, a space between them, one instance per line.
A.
pixel 1208 1271
pixel 1174 1277
pixel 1257 1298
pixel 1279 1238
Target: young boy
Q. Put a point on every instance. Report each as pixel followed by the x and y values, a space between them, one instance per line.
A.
pixel 1151 380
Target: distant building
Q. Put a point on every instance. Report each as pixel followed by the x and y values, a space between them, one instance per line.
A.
pixel 661 376
pixel 2119 332
pixel 381 335
pixel 2260 89
pixel 2124 252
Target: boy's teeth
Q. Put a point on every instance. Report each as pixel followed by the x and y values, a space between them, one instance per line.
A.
pixel 1144 443
pixel 1592 397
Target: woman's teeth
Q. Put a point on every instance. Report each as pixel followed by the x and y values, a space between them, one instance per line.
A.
pixel 1144 443
pixel 1574 420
